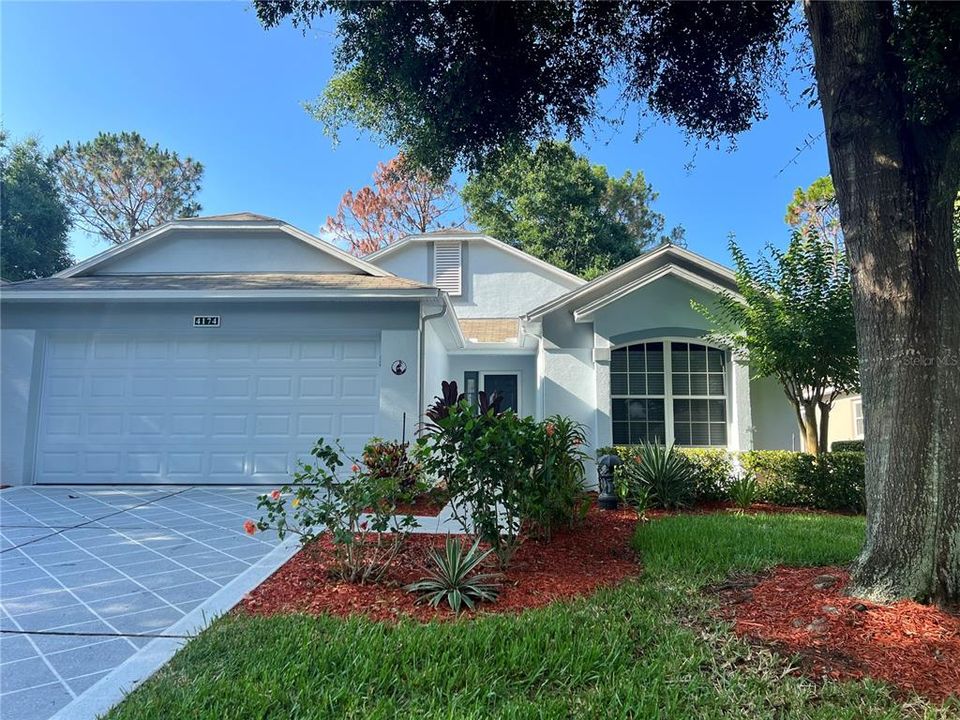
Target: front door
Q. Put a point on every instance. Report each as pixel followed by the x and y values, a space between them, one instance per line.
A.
pixel 507 386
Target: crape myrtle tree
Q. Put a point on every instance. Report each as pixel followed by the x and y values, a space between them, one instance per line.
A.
pixel 118 185
pixel 558 206
pixel 793 320
pixel 462 82
pixel 405 199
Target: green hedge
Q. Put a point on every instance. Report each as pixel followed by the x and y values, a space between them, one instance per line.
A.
pixel 847 446
pixel 833 481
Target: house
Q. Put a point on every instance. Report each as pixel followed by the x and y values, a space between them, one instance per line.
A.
pixel 846 419
pixel 218 349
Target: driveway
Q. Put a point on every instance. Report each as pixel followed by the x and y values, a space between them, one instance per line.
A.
pixel 100 585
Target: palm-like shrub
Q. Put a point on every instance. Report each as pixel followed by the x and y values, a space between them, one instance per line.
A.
pixel 452 577
pixel 744 490
pixel 660 474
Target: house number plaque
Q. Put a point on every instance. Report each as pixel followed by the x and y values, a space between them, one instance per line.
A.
pixel 206 321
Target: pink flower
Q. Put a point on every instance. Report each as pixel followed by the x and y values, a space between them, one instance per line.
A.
pixel 550 429
pixel 250 527
pixel 275 495
pixel 355 468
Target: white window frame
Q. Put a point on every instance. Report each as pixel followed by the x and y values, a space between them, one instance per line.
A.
pixel 855 410
pixel 447 259
pixel 668 396
pixel 483 375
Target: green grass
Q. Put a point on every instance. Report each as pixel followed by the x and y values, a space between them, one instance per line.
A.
pixel 646 649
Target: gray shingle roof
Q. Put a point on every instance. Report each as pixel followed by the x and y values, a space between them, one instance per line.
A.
pixel 234 281
pixel 231 217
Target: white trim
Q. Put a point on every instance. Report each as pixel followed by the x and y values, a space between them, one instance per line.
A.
pixel 585 313
pixel 159 231
pixel 251 294
pixel 473 237
pixel 617 273
pixel 483 374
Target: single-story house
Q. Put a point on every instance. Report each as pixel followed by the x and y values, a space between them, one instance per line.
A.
pixel 218 349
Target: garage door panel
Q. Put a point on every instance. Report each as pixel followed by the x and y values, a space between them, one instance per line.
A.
pixel 122 410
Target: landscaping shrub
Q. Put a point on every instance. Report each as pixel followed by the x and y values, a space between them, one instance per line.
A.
pixel 712 470
pixel 830 481
pixel 847 446
pixel 744 490
pixel 504 473
pixel 833 481
pixel 485 458
pixel 453 577
pixel 390 459
pixel 359 512
pixel 556 494
pixel 657 475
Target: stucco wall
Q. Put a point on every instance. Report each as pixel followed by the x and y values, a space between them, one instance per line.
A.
pixel 660 309
pixel 16 369
pixel 410 261
pixel 436 364
pixel 194 251
pixel 499 284
pixel 841 420
pixel 774 424
pixel 496 283
pixel 397 324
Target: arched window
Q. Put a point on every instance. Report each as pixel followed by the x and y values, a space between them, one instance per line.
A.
pixel 669 392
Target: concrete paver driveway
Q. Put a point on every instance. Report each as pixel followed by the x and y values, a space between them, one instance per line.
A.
pixel 90 576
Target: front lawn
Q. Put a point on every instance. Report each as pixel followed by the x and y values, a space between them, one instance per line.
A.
pixel 644 649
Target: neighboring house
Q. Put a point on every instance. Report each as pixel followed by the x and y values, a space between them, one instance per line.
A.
pixel 846 419
pixel 218 349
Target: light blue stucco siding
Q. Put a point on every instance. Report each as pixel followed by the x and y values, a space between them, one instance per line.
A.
pixel 496 283
pixel 196 251
pixel 27 326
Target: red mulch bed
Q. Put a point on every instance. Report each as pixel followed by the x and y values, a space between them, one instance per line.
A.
pixel 573 563
pixel 805 611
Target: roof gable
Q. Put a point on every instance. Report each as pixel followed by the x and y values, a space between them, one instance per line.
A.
pixel 664 260
pixel 459 234
pixel 243 242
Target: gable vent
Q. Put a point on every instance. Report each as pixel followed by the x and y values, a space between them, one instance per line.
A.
pixel 447 271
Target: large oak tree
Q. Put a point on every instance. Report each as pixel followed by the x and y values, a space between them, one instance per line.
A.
pixel 461 82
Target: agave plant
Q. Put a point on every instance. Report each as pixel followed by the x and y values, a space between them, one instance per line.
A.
pixel 451 579
pixel 665 475
pixel 744 490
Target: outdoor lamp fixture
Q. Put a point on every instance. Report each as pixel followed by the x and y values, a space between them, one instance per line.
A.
pixel 608 493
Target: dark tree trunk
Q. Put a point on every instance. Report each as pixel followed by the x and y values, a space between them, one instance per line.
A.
pixel 824 425
pixel 895 181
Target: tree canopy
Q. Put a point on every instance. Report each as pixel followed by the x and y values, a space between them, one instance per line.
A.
pixel 556 205
pixel 118 185
pixel 34 219
pixel 403 200
pixel 465 82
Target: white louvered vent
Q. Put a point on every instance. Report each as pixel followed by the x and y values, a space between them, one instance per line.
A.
pixel 446 267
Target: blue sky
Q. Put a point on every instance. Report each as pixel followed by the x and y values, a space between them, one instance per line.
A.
pixel 206 80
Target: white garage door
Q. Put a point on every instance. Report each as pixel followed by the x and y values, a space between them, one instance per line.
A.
pixel 199 409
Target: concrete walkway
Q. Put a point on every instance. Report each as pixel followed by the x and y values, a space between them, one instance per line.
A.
pixel 99 586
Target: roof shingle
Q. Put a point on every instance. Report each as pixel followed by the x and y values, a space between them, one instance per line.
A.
pixel 490 330
pixel 234 281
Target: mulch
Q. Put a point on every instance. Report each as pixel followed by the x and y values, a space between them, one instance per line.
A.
pixel 572 563
pixel 804 611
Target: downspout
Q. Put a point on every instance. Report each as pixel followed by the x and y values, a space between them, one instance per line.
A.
pixel 421 364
